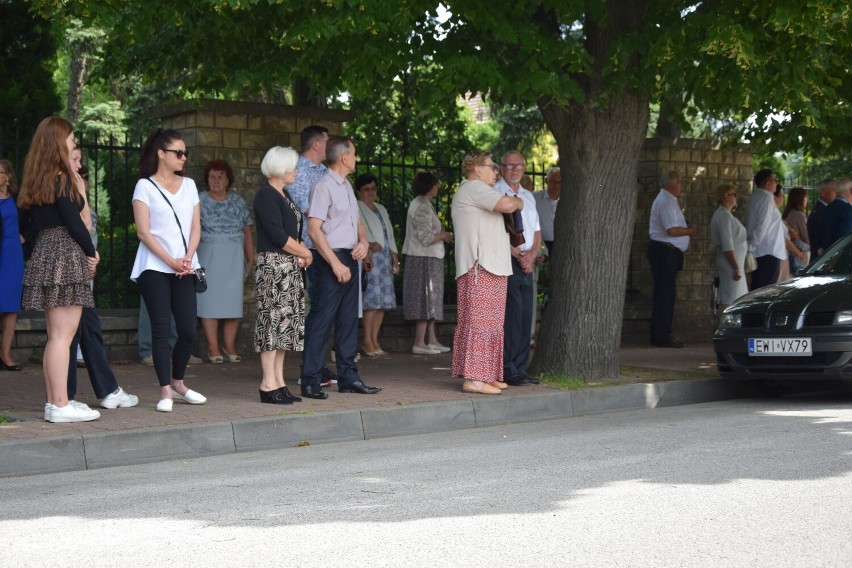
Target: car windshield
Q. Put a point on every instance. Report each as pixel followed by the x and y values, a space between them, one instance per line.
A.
pixel 837 260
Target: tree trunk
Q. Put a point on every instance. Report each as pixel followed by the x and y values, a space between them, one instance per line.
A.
pixel 599 149
pixel 79 65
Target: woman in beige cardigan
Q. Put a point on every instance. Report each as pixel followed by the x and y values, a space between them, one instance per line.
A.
pixel 423 280
pixel 379 294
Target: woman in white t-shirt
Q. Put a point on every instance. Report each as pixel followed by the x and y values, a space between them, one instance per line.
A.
pixel 168 224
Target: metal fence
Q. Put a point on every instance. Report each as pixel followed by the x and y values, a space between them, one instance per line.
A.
pixel 113 173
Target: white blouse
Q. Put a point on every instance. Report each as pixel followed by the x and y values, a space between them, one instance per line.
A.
pixel 163 225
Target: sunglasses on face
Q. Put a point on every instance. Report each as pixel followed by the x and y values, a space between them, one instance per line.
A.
pixel 181 154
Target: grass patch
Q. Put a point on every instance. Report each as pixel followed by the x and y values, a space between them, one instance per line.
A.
pixel 5 419
pixel 627 375
pixel 563 381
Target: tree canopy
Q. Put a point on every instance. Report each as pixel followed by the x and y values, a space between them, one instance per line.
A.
pixel 779 65
pixel 27 48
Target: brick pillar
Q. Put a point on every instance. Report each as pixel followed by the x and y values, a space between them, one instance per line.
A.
pixel 241 133
pixel 703 166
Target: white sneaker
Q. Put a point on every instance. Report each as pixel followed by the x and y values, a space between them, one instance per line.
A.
pixel 165 405
pixel 417 350
pixel 438 348
pixel 193 360
pixel 48 411
pixel 119 399
pixel 79 405
pixel 73 413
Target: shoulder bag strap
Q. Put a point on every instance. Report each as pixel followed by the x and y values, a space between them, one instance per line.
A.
pixel 186 248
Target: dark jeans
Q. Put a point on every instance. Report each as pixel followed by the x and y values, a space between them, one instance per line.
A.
pixel 90 338
pixel 518 322
pixel 331 303
pixel 766 272
pixel 166 295
pixel 666 260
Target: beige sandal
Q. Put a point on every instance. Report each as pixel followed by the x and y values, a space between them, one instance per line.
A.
pixel 231 358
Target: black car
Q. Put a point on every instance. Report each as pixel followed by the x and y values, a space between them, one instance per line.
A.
pixel 800 329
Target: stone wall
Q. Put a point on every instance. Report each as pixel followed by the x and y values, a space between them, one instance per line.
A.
pixel 702 166
pixel 241 133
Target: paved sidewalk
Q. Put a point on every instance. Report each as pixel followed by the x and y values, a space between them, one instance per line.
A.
pixel 419 395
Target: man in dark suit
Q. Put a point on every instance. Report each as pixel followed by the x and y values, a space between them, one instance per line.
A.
pixel 827 193
pixel 837 219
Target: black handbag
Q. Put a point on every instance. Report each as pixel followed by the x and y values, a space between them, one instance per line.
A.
pixel 200 274
pixel 515 227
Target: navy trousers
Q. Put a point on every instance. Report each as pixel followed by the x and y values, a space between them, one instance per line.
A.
pixel 331 303
pixel 665 261
pixel 518 322
pixel 766 273
pixel 90 338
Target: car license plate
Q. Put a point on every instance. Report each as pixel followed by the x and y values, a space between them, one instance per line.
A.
pixel 780 346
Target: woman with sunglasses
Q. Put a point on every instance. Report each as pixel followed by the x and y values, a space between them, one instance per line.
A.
pixel 168 224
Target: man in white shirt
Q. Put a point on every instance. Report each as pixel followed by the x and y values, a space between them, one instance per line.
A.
pixel 546 203
pixel 519 291
pixel 766 231
pixel 670 236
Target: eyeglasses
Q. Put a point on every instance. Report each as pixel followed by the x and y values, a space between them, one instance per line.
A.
pixel 492 166
pixel 179 153
pixel 513 166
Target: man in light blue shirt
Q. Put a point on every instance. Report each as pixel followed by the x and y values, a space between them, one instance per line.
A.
pixel 309 169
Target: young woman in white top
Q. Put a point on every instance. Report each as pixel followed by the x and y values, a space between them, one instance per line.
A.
pixel 168 224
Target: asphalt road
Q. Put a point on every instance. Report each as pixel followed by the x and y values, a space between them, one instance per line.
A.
pixel 741 483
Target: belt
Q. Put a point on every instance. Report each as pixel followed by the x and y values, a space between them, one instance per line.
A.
pixel 334 250
pixel 671 246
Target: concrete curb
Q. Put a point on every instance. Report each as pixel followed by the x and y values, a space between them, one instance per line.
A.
pixel 107 449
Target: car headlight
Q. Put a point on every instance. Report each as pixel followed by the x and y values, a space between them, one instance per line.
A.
pixel 843 317
pixel 731 320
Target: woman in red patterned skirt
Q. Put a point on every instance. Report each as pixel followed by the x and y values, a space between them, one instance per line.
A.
pixel 483 263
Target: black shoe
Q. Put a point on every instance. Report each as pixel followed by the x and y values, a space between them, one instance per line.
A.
pixel 532 380
pixel 5 367
pixel 359 387
pixel 273 397
pixel 517 381
pixel 288 395
pixel 313 391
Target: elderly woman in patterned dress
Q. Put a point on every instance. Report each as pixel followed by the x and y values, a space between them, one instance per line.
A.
pixel 379 295
pixel 281 257
pixel 483 264
pixel 226 252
